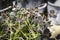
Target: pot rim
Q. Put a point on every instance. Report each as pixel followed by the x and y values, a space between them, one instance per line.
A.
pixel 43 6
pixel 6 8
pixel 52 4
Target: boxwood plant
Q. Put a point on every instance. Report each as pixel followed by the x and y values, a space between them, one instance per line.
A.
pixel 21 26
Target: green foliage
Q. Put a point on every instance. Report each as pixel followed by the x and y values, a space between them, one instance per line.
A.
pixel 19 27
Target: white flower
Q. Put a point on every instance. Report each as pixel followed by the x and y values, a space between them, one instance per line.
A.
pixel 12 14
pixel 14 9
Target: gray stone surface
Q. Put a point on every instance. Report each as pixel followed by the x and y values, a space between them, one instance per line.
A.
pixel 57 13
pixel 57 3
